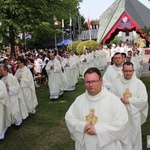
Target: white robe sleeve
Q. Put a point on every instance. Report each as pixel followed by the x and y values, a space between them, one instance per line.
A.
pixel 139 104
pixel 2 93
pixel 26 81
pixel 75 126
pixel 14 88
pixel 106 78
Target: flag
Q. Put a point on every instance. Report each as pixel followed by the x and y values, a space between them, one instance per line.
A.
pixel 89 24
pixel 20 35
pixel 56 22
pixel 70 22
pixel 28 36
pixel 62 23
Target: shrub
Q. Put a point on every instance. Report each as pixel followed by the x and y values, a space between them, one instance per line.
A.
pixel 73 46
pixel 90 44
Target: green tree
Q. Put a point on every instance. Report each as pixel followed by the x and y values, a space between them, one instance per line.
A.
pixel 117 40
pixel 36 17
pixel 147 31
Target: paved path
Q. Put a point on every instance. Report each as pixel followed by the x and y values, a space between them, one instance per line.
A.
pixel 145 71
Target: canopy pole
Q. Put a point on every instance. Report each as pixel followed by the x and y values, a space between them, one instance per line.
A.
pixel 55 41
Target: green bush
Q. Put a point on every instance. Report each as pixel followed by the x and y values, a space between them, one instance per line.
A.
pixel 90 44
pixel 73 46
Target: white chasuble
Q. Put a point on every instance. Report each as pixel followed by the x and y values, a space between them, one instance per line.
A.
pixel 111 74
pixel 28 88
pixel 17 102
pixel 137 108
pixel 55 79
pixel 109 117
pixel 5 117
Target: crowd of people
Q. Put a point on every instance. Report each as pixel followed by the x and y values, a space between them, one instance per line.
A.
pixel 110 113
pixel 60 73
pixel 17 95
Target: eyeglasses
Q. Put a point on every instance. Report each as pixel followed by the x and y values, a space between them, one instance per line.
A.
pixel 91 82
pixel 128 71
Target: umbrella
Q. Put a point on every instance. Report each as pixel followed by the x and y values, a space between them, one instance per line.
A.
pixel 64 42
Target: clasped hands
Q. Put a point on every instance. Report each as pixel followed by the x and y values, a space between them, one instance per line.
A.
pixel 84 60
pixel 124 100
pixel 52 66
pixel 7 87
pixel 19 79
pixel 67 64
pixel 89 129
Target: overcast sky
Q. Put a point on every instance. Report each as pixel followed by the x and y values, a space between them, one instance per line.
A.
pixel 94 8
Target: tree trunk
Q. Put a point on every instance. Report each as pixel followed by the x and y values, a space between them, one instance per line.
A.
pixel 12 40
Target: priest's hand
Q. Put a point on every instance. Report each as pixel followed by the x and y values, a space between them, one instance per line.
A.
pixel 89 129
pixel 67 64
pixel 125 100
pixel 52 66
pixel 84 60
pixel 19 79
pixel 7 87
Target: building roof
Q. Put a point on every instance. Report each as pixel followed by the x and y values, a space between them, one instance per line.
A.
pixel 136 12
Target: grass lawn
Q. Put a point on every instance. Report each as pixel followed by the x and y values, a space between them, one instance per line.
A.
pixel 46 130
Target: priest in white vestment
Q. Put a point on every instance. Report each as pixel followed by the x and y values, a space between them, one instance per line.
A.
pixel 113 50
pixel 17 103
pixel 114 71
pixel 26 81
pixel 95 58
pixel 97 120
pixel 55 78
pixel 106 52
pixel 136 63
pixel 76 60
pixel 132 92
pixel 69 65
pixel 5 117
pixel 102 59
pixel 38 64
pixel 85 61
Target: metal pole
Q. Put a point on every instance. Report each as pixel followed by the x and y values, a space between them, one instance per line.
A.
pixel 25 42
pixel 63 34
pixel 62 25
pixel 90 34
pixel 70 29
pixel 55 41
pixel 79 23
pixel 71 35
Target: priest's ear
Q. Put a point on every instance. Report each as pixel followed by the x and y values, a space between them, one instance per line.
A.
pixel 101 80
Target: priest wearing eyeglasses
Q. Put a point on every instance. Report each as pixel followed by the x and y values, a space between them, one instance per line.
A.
pixel 97 120
pixel 132 92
